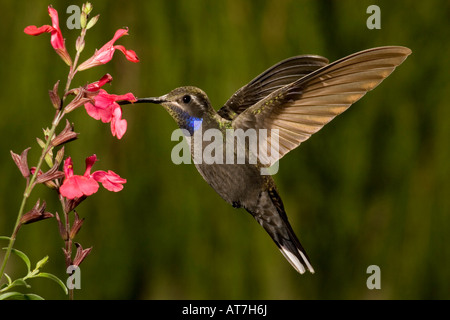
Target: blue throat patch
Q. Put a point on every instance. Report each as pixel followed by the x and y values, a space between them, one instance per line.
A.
pixel 193 123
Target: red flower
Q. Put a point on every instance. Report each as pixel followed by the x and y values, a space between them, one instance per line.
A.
pixel 75 186
pixel 105 53
pixel 105 107
pixel 56 40
pixel 95 86
pixel 110 180
pixel 118 125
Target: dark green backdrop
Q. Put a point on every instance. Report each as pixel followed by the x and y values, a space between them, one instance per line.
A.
pixel 371 188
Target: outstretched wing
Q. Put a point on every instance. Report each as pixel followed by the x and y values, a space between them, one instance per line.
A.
pixel 281 74
pixel 303 107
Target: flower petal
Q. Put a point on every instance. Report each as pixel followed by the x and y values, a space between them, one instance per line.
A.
pixel 129 54
pixel 68 167
pixel 89 163
pixel 119 33
pixel 128 96
pixel 77 186
pixel 102 109
pixel 110 180
pixel 118 125
pixel 35 31
pixel 57 39
pixel 92 111
pixel 95 86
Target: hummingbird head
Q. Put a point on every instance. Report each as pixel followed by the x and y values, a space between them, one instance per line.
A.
pixel 189 106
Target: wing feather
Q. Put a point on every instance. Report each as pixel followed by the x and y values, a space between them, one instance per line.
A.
pixel 274 78
pixel 299 109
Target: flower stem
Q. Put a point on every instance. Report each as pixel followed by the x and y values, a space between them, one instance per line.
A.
pixel 73 68
pixel 29 187
pixel 12 239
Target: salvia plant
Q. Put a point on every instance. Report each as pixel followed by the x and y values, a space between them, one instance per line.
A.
pixel 55 169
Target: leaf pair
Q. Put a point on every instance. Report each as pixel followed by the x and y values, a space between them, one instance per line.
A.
pixel 35 273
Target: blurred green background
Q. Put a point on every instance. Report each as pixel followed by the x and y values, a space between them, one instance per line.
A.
pixel 371 188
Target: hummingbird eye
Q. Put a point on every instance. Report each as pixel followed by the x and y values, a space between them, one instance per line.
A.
pixel 187 99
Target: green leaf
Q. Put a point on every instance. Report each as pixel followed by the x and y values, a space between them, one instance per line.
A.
pixel 19 282
pixel 32 296
pixel 20 296
pixel 23 256
pixel 41 262
pixel 15 283
pixel 8 295
pixel 9 279
pixel 54 278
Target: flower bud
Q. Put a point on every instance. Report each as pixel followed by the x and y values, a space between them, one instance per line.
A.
pixel 65 136
pixel 76 226
pixel 21 162
pixel 92 22
pixel 36 214
pixel 54 98
pixel 71 204
pixel 79 44
pixel 65 56
pixel 48 177
pixel 81 254
pixel 49 155
pixel 46 133
pixel 80 99
pixel 87 8
pixel 83 20
pixel 62 229
pixel 40 143
pixel 59 156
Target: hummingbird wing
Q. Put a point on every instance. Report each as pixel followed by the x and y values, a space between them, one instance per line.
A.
pixel 279 75
pixel 300 109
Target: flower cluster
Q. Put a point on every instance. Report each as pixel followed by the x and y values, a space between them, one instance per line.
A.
pixel 99 104
pixel 105 106
pixel 102 105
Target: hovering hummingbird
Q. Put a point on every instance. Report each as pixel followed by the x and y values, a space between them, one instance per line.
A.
pixel 295 98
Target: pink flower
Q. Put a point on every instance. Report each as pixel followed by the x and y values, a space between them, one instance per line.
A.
pixel 110 180
pixel 56 40
pixel 118 125
pixel 105 53
pixel 75 186
pixel 95 86
pixel 106 109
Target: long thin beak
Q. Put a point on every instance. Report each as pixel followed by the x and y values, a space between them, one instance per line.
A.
pixel 154 100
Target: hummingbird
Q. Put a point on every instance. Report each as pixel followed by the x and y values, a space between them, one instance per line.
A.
pixel 294 98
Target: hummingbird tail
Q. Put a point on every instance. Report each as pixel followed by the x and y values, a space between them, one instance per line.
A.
pixel 293 251
pixel 274 220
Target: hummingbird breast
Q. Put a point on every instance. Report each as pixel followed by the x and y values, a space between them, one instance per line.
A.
pixel 238 184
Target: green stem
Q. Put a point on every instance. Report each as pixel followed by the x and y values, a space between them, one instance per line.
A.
pixel 28 190
pixel 12 239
